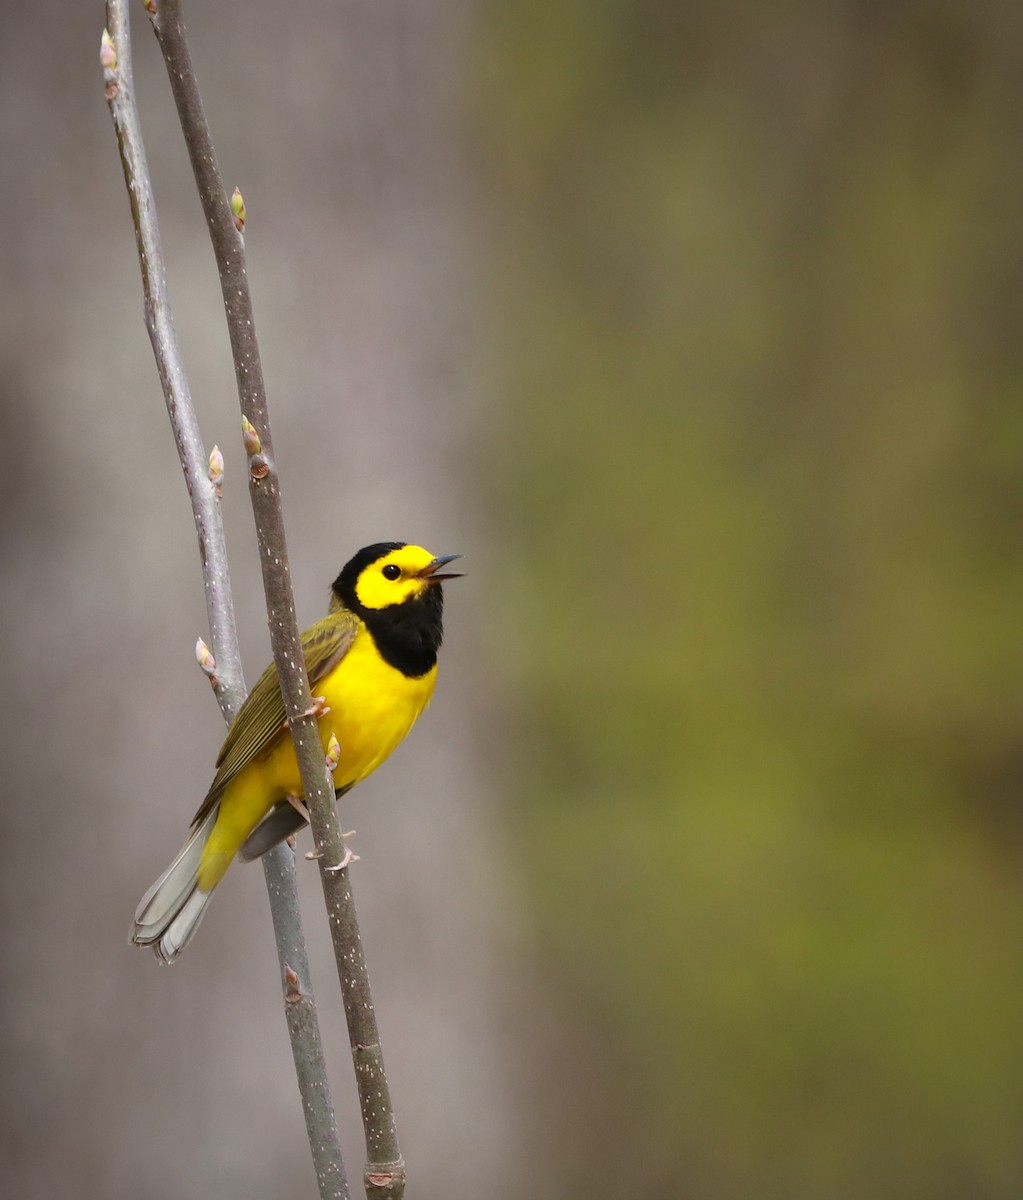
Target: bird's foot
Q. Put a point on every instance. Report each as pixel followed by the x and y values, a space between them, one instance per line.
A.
pixel 348 858
pixel 318 708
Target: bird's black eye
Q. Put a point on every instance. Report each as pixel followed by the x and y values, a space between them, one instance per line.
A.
pixel 392 571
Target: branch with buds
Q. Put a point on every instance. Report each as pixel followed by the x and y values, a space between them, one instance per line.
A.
pixel 222 665
pixel 384 1174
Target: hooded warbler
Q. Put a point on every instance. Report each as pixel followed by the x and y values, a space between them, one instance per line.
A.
pixel 372 664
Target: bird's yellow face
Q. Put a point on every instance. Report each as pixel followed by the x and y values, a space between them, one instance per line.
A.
pixel 399 575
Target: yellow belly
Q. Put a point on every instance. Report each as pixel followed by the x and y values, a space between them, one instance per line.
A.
pixel 372 707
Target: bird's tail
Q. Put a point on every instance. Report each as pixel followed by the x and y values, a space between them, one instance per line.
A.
pixel 169 913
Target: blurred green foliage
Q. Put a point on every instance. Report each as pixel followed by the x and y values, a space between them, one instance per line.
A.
pixel 759 302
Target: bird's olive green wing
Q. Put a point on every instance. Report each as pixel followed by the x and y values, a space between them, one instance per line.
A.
pixel 261 720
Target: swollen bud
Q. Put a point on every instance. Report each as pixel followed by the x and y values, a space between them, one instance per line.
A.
pixel 238 210
pixel 216 469
pixel 204 657
pixel 291 993
pixel 108 61
pixel 250 438
pixel 333 753
pixel 107 53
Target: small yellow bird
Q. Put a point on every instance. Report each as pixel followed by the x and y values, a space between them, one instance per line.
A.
pixel 372 664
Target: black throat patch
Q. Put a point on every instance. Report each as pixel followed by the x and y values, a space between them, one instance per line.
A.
pixel 409 635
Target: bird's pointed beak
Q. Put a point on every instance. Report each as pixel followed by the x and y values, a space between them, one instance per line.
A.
pixel 432 571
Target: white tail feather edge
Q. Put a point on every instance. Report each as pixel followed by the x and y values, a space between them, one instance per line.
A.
pixel 169 913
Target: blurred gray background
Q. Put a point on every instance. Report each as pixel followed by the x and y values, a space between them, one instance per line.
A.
pixel 697 329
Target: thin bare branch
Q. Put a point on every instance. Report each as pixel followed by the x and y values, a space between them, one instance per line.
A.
pixel 385 1170
pixel 159 319
pixel 203 477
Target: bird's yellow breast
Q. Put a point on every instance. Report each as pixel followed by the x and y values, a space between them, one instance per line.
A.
pixel 372 706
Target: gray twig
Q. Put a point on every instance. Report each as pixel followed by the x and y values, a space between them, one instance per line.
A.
pixel 384 1175
pixel 226 671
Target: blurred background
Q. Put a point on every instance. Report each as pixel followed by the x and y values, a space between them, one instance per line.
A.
pixel 697 329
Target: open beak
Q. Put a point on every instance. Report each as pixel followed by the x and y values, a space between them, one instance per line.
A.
pixel 432 571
